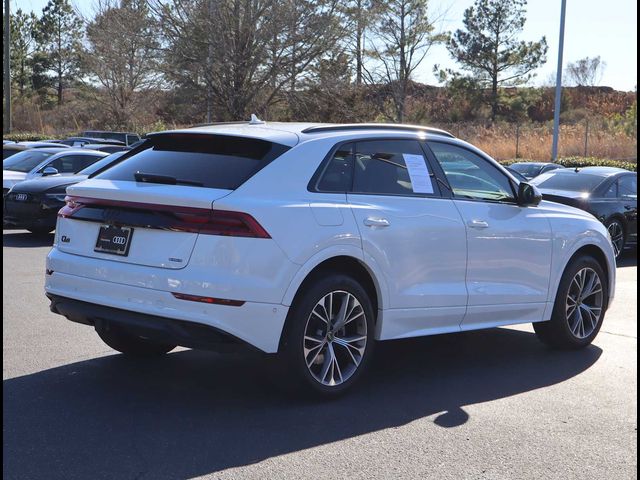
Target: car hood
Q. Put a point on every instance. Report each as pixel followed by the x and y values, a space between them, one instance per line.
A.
pixel 43 184
pixel 9 178
pixel 11 175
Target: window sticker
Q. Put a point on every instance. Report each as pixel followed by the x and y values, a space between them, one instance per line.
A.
pixel 418 173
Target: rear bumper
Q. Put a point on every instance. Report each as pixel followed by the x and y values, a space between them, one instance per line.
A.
pixel 164 330
pixel 32 214
pixel 35 223
pixel 159 314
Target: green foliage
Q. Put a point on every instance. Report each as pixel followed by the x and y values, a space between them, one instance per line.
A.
pixel 157 126
pixel 60 32
pixel 515 103
pixel 627 123
pixel 488 47
pixel 579 162
pixel 23 43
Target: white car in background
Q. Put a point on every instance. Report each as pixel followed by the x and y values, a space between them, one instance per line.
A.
pixel 316 241
pixel 40 162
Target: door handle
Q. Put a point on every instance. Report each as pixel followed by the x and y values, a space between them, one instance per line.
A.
pixel 477 224
pixel 376 222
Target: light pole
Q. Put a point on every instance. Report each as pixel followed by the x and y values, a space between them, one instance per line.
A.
pixel 556 113
pixel 7 72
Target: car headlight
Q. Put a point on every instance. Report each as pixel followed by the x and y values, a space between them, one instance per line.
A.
pixel 56 196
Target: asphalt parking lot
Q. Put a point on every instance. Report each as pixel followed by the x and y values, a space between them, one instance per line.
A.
pixel 495 404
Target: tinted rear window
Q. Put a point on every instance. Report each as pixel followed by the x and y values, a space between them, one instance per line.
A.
pixel 573 182
pixel 214 161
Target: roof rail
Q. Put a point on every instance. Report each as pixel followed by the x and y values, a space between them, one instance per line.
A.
pixel 242 122
pixel 376 126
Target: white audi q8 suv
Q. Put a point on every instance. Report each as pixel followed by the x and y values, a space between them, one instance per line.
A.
pixel 315 241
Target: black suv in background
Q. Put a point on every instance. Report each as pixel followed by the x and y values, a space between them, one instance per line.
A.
pixel 128 138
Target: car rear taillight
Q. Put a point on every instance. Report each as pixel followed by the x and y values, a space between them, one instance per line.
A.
pixel 71 206
pixel 219 222
pixel 171 217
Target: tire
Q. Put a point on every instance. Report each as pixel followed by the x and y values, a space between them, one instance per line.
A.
pixel 564 330
pixel 131 345
pixel 40 231
pixel 618 234
pixel 310 349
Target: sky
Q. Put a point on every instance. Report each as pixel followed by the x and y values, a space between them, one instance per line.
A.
pixel 593 27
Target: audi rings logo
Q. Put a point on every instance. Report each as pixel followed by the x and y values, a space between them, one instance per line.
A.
pixel 119 240
pixel 21 197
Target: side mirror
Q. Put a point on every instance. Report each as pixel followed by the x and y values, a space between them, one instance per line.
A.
pixel 528 195
pixel 49 171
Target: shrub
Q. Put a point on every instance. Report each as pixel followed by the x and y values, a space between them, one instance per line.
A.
pixel 579 162
pixel 27 137
pixel 573 162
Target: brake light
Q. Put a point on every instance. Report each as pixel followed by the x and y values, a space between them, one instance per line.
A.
pixel 71 206
pixel 220 222
pixel 171 217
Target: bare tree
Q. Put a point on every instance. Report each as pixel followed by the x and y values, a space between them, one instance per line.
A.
pixel 586 72
pixel 402 37
pixel 246 51
pixel 121 56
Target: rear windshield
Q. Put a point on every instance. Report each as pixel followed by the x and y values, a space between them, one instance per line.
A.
pixel 573 182
pixel 25 161
pixel 213 161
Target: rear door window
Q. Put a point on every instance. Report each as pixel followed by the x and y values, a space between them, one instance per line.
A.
pixel 72 163
pixel 391 167
pixel 213 161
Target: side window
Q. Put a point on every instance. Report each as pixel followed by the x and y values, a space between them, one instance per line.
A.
pixel 338 173
pixel 71 163
pixel 132 139
pixel 628 187
pixel 470 175
pixel 392 167
pixel 612 191
pixel 83 161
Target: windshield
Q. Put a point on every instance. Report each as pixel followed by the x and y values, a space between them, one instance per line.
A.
pixel 93 168
pixel 25 161
pixel 573 182
pixel 6 153
pixel 527 169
